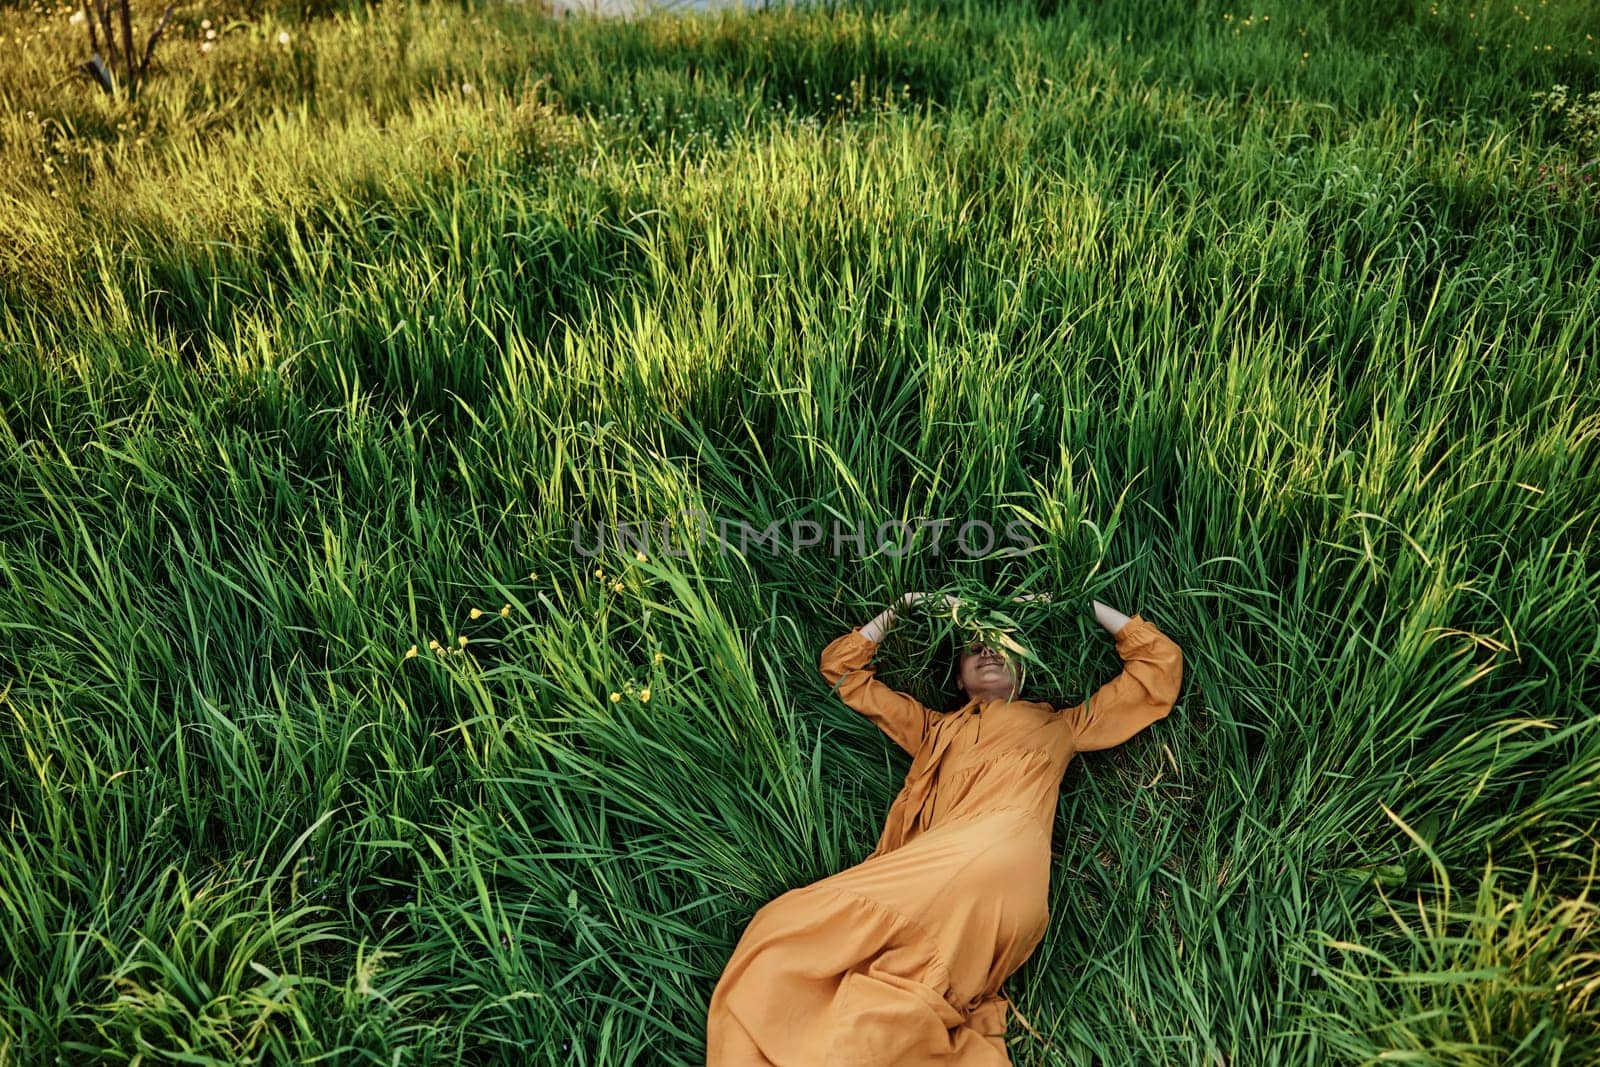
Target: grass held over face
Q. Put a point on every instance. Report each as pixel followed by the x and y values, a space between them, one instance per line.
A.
pixel 336 725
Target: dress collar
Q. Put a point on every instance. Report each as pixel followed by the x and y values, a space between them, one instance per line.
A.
pixel 976 705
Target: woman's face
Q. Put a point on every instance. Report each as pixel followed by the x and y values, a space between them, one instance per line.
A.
pixel 984 673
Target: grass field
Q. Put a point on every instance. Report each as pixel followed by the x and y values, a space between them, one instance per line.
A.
pixel 1274 323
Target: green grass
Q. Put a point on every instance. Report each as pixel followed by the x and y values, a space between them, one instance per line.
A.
pixel 314 351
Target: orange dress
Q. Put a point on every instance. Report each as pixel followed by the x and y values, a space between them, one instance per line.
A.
pixel 898 960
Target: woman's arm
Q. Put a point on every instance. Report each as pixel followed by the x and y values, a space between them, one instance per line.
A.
pixel 1142 694
pixel 875 630
pixel 847 666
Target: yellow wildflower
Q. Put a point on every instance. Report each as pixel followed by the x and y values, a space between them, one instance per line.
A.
pixel 615 697
pixel 616 587
pixel 475 613
pixel 412 651
pixel 644 695
pixel 660 656
pixel 640 556
pixel 505 611
pixel 462 640
pixel 434 646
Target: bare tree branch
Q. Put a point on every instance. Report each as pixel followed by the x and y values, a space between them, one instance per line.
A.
pixel 127 45
pixel 103 9
pixel 88 21
pixel 151 45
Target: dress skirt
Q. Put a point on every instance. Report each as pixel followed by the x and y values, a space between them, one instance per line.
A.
pixel 894 962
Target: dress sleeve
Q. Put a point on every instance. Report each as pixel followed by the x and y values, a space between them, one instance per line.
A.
pixel 1143 693
pixel 846 665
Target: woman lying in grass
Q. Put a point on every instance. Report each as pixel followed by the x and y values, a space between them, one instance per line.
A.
pixel 899 959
